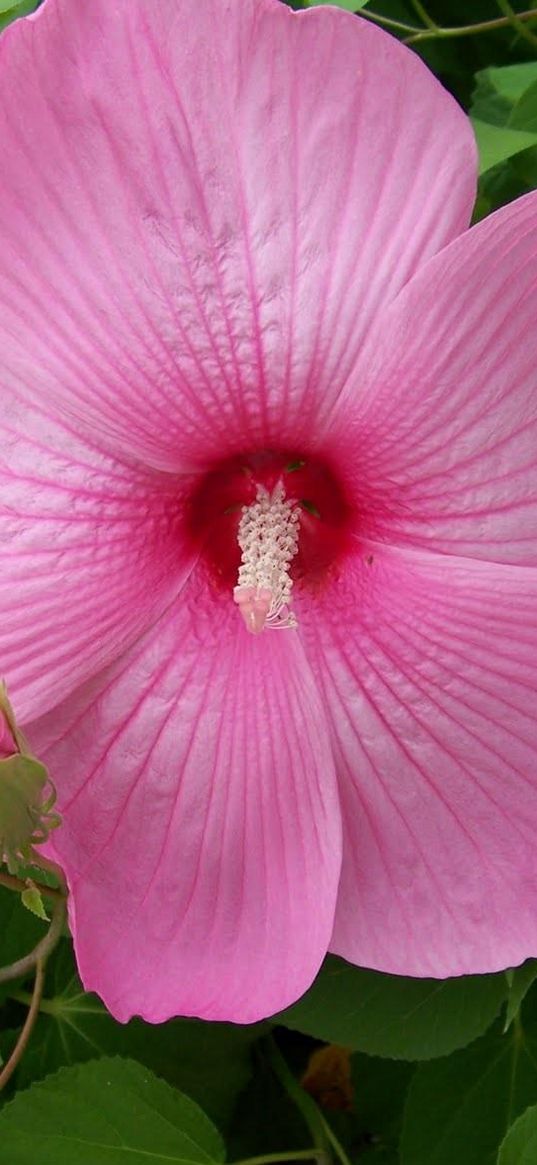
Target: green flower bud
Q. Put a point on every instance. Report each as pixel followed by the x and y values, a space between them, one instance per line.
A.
pixel 27 795
pixel 26 815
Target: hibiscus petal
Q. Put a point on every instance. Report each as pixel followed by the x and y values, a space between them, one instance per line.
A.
pixel 91 555
pixel 204 206
pixel 445 427
pixel 202 827
pixel 430 685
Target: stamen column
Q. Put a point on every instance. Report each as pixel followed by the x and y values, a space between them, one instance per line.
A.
pixel 268 537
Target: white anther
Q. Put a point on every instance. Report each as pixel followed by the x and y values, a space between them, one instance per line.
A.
pixel 268 537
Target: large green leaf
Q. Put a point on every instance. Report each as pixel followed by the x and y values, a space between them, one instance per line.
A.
pixel 524 115
pixel 524 167
pixel 498 143
pixel 388 1015
pixel 380 1088
pixel 520 1144
pixel 502 115
pixel 10 11
pixel 211 1062
pixel 106 1112
pixel 459 1108
pixel 520 980
pixel 498 90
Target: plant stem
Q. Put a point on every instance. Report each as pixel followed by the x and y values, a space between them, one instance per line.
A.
pixel 423 14
pixel 46 1006
pixel 13 883
pixel 333 1141
pixel 518 25
pixel 306 1106
pixel 321 1132
pixel 387 21
pixel 20 1046
pixel 468 29
pixel 41 951
pixel 437 32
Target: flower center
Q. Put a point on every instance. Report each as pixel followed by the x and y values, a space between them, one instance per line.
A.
pixel 267 523
pixel 268 538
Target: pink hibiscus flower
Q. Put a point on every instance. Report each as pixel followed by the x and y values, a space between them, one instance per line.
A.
pixel 268 455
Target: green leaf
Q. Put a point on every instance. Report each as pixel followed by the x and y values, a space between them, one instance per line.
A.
pixel 459 1108
pixel 512 81
pixel 7 6
pixel 520 1144
pixel 498 90
pixel 380 1088
pixel 500 107
pixel 349 5
pixel 10 11
pixel 497 143
pixel 524 167
pixel 388 1015
pixel 32 899
pixel 106 1112
pixel 524 115
pixel 211 1062
pixel 521 979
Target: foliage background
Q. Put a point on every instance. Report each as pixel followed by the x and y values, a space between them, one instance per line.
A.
pixel 366 1068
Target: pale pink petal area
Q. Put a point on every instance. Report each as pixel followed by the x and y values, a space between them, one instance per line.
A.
pixel 442 414
pixel 204 207
pixel 428 667
pixel 202 836
pixel 91 554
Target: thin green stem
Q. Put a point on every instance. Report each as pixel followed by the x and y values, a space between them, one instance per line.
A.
pixel 440 33
pixel 46 1006
pixel 41 951
pixel 333 1141
pixel 322 1134
pixel 17 884
pixel 26 1031
pixel 518 25
pixel 423 14
pixel 306 1106
pixel 387 21
pixel 437 32
pixel 291 1155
